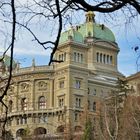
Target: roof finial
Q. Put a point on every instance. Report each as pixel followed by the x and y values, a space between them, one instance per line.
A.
pixel 90 16
pixel 33 62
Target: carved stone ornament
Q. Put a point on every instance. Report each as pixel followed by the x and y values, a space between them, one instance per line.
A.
pixel 24 87
pixel 42 85
pixel 11 89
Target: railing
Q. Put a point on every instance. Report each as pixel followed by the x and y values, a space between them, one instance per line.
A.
pixel 22 112
pixel 34 69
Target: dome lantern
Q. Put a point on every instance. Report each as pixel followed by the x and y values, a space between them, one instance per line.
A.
pixel 90 16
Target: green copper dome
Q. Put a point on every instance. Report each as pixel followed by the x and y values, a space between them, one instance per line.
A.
pixel 71 34
pixel 6 61
pixel 88 29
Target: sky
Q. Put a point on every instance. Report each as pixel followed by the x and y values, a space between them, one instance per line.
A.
pixel 127 37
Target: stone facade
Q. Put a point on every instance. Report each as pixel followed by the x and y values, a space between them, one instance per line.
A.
pixel 48 99
pixel 134 82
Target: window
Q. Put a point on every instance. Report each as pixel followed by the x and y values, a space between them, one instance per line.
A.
pixel 81 58
pixel 78 102
pixel 101 58
pixel 110 59
pixel 24 120
pixel 24 104
pixel 77 84
pixel 10 105
pixel 94 92
pixel 94 106
pixel 65 56
pixel 88 90
pixel 75 56
pixel 42 103
pixel 97 56
pixel 61 84
pixel 107 59
pixel 78 57
pixel 60 102
pixel 88 105
pixel 104 58
pixel 62 57
pixel 76 116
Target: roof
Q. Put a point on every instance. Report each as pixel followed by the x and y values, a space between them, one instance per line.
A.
pixel 7 60
pixel 133 76
pixel 88 29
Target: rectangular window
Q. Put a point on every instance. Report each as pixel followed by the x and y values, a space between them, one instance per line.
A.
pixel 94 106
pixel 78 102
pixel 88 105
pixel 61 102
pixel 61 84
pixel 76 116
pixel 88 90
pixel 77 84
pixel 94 92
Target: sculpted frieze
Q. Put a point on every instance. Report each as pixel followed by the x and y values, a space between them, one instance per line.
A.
pixel 42 85
pixel 24 87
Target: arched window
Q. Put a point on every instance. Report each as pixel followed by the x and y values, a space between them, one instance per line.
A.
pixel 104 57
pixel 79 102
pixel 62 57
pixel 97 57
pixel 42 103
pixel 75 56
pixel 10 105
pixel 24 104
pixel 40 131
pixel 20 132
pixel 59 57
pixel 81 57
pixel 60 129
pixel 65 56
pixel 78 55
pixel 78 128
pixel 107 59
pixel 110 59
pixel 101 58
pixel 24 120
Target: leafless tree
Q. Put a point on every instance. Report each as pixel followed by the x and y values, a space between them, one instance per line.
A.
pixel 23 15
pixel 4 89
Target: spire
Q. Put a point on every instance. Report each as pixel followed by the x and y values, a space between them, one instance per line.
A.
pixel 90 16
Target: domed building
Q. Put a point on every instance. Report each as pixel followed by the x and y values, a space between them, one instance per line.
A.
pixel 50 100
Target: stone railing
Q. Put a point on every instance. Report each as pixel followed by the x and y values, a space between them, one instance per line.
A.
pixel 34 69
